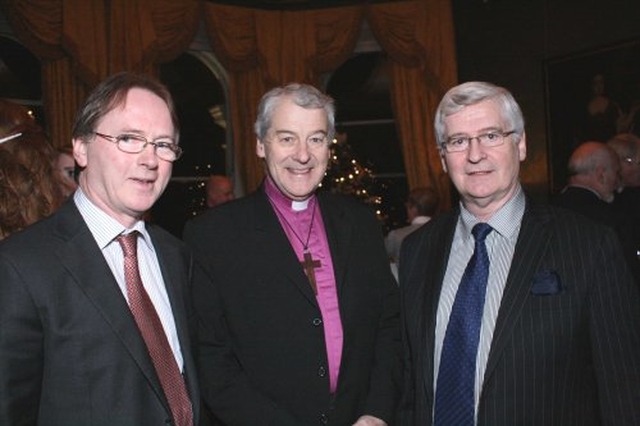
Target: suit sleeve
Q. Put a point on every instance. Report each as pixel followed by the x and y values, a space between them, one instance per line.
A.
pixel 384 389
pixel 226 389
pixel 615 336
pixel 21 349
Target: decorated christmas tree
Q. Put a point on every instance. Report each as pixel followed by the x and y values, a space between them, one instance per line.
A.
pixel 346 175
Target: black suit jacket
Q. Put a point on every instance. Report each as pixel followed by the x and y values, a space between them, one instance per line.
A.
pixel 566 346
pixel 70 351
pixel 262 351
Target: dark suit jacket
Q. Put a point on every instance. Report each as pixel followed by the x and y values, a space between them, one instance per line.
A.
pixel 70 351
pixel 587 203
pixel 566 347
pixel 262 351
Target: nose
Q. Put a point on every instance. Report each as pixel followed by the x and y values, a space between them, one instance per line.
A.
pixel 302 152
pixel 475 152
pixel 148 156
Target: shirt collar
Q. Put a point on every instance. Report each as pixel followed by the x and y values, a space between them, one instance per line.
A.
pixel 282 201
pixel 506 221
pixel 103 227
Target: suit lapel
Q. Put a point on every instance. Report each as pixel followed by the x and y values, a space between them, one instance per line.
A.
pixel 439 243
pixel 531 246
pixel 82 257
pixel 275 248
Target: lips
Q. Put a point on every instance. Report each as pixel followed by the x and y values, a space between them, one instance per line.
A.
pixel 299 171
pixel 144 181
pixel 478 172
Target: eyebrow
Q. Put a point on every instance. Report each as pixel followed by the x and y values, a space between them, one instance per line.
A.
pixel 129 131
pixel 291 132
pixel 480 132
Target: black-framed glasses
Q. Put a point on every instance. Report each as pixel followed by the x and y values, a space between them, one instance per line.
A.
pixel 487 140
pixel 165 148
pixel 631 161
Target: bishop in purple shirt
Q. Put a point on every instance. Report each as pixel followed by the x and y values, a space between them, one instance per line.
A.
pixel 297 310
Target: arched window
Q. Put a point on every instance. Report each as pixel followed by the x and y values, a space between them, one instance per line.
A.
pixel 198 86
pixel 367 134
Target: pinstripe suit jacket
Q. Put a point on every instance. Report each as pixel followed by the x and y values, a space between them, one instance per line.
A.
pixel 562 354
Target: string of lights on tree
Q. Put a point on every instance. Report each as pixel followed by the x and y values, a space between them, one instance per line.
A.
pixel 346 175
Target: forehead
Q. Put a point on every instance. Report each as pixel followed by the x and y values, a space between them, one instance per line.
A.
pixel 485 115
pixel 141 106
pixel 287 116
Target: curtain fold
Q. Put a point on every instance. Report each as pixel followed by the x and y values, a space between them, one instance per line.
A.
pixel 418 36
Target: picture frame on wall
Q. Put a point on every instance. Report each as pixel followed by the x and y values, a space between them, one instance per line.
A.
pixel 590 96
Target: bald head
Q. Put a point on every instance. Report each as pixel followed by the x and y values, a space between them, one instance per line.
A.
pixel 595 166
pixel 219 190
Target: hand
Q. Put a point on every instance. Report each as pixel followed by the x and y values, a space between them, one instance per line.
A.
pixel 369 421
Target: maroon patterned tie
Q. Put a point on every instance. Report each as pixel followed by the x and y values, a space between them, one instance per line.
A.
pixel 154 336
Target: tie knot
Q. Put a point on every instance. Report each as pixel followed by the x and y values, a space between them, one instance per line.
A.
pixel 129 243
pixel 481 230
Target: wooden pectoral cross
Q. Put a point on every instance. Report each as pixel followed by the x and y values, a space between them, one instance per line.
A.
pixel 310 264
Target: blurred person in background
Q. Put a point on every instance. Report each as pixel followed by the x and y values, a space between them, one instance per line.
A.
pixel 30 189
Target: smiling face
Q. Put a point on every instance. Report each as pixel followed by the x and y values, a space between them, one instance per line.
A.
pixel 121 184
pixel 296 149
pixel 486 178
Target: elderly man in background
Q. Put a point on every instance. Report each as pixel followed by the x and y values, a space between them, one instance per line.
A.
pixel 219 190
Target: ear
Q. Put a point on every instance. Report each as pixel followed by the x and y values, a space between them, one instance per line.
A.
pixel 522 147
pixel 260 148
pixel 443 160
pixel 80 151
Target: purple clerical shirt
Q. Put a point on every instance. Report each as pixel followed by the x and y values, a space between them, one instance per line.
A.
pixel 296 220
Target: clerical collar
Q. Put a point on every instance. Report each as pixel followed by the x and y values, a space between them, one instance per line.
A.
pixel 276 196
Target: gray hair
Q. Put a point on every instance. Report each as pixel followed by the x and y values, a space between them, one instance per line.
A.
pixel 588 156
pixel 304 96
pixel 472 93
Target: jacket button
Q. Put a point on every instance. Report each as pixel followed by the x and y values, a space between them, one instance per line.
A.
pixel 322 371
pixel 316 322
pixel 324 419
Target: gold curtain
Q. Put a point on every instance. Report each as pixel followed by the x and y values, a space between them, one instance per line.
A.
pixel 418 36
pixel 80 42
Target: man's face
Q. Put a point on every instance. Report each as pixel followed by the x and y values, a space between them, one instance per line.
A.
pixel 296 149
pixel 219 191
pixel 630 171
pixel 126 185
pixel 66 166
pixel 486 178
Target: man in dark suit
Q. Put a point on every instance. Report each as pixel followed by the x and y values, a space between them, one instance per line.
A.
pixel 556 337
pixel 594 179
pixel 89 338
pixel 298 310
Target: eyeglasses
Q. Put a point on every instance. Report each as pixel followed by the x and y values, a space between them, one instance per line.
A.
pixel 487 140
pixel 631 161
pixel 166 149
